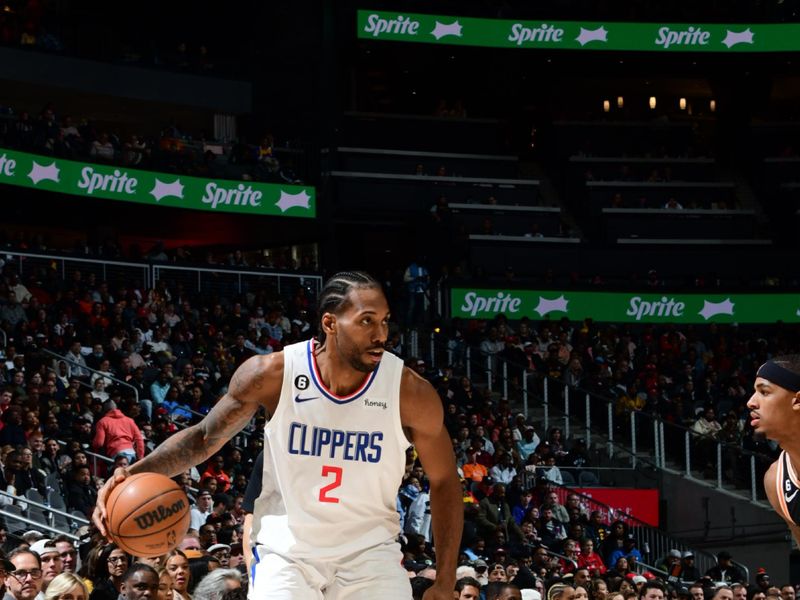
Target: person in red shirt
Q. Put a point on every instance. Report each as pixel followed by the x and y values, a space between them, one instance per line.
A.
pixel 589 559
pixel 216 470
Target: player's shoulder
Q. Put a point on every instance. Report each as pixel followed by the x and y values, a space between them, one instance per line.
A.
pixel 413 385
pixel 419 402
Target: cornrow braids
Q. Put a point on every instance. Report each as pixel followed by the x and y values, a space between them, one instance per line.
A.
pixel 334 295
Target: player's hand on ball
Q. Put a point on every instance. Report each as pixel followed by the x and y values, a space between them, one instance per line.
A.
pixel 100 516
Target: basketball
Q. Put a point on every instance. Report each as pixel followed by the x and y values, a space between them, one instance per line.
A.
pixel 148 514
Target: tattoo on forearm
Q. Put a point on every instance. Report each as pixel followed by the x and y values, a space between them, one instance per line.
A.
pixel 194 445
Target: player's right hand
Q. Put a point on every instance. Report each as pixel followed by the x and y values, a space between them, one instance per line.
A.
pixel 99 515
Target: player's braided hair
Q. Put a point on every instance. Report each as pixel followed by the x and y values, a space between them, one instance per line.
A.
pixel 334 295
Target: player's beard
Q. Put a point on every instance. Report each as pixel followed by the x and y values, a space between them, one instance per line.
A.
pixel 351 353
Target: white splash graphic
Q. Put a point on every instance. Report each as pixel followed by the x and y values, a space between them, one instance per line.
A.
pixel 546 306
pixel 287 201
pixel 592 35
pixel 161 189
pixel 43 173
pixel 738 37
pixel 444 29
pixel 711 309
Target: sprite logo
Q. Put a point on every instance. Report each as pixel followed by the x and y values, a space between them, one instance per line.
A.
pixel 239 196
pixel 544 33
pixel 502 302
pixel 693 36
pixel 377 25
pixel 113 182
pixel 666 307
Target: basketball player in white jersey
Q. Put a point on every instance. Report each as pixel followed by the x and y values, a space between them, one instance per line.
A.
pixel 775 414
pixel 342 413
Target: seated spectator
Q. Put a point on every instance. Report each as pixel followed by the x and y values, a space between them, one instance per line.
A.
pixel 81 492
pixel 102 149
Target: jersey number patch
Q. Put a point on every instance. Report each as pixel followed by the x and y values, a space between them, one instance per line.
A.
pixel 337 481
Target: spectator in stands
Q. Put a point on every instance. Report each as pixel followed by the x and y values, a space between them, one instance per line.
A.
pixel 689 572
pixel 467 588
pixel 216 583
pixel 474 471
pixel 551 530
pixel 81 493
pixel 201 511
pixel 67 585
pixel 559 510
pixel 725 570
pixel 112 563
pixel 589 559
pixel 102 149
pixel 504 471
pixel 50 559
pixel 494 513
pixel 25 476
pixel 140 582
pixel 67 552
pixel 117 434
pixel 696 591
pixel 24 582
pixel 669 562
pixel 528 444
pixel 707 428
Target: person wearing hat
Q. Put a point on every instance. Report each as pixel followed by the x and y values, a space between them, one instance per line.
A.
pixel 689 572
pixel 201 511
pixel 222 552
pixel 775 414
pixel 50 558
pixel 672 558
pixel 725 570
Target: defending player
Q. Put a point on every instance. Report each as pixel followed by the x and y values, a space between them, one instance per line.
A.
pixel 775 413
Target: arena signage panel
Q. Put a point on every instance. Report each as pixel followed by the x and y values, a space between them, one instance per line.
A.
pixel 645 307
pixel 578 35
pixel 159 189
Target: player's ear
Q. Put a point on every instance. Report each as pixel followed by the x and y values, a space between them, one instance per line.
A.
pixel 329 323
pixel 796 401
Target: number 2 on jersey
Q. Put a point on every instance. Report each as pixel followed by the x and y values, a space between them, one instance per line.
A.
pixel 323 492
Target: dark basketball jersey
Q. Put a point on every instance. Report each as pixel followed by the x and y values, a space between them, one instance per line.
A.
pixel 788 488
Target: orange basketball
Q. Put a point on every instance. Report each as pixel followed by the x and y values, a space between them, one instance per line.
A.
pixel 148 514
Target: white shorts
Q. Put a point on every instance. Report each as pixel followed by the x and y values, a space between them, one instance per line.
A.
pixel 374 573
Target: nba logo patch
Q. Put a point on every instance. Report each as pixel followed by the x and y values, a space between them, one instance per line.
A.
pixel 301 382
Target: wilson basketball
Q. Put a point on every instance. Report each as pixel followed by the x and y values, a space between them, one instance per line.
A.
pixel 148 514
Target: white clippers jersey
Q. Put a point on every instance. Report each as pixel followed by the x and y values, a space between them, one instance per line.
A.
pixel 332 464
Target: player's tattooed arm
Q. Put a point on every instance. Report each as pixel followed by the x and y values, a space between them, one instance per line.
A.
pixel 256 383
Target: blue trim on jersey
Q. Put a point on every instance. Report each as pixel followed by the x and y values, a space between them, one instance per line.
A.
pixel 253 566
pixel 321 386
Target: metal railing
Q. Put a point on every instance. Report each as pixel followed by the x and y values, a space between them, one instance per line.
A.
pixel 108 270
pixel 103 374
pixel 142 275
pixel 222 280
pixel 44 507
pixel 639 435
pixel 10 516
